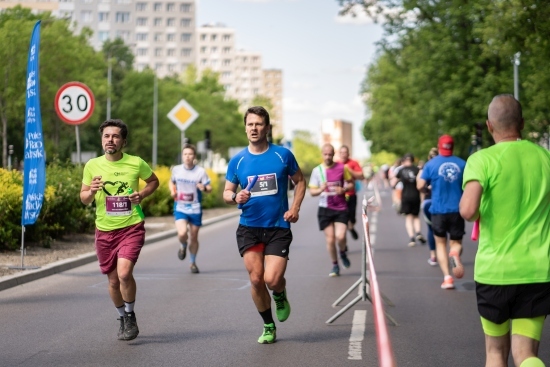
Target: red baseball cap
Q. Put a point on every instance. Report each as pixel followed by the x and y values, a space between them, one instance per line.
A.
pixel 446 145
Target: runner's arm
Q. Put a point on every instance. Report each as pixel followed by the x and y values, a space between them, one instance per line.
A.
pixel 87 192
pixel 151 185
pixel 228 191
pixel 299 192
pixel 471 199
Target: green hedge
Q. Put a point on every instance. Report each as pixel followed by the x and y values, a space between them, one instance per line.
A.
pixel 62 211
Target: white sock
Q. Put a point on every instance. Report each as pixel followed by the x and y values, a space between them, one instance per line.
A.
pixel 120 310
pixel 129 306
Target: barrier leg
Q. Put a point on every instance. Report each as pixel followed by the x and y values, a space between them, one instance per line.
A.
pixel 346 293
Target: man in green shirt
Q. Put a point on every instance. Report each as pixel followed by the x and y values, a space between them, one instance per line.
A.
pixel 507 187
pixel 120 231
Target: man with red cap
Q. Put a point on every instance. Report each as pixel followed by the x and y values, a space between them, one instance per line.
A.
pixel 444 174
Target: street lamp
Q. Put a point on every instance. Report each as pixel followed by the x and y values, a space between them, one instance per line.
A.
pixel 516 76
pixel 10 152
pixel 109 81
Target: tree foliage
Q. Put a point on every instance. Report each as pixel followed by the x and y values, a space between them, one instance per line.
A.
pixel 441 62
pixel 306 150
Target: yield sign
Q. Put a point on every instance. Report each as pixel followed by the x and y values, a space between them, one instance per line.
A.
pixel 183 115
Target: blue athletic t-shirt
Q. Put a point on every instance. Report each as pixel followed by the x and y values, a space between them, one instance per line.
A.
pixel 444 174
pixel 269 200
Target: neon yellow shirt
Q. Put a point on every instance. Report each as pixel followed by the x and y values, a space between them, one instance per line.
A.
pixel 514 243
pixel 113 207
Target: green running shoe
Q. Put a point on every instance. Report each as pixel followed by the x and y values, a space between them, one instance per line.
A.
pixel 269 335
pixel 282 306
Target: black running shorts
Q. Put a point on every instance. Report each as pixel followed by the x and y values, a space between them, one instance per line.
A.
pixel 327 216
pixel 498 303
pixel 451 223
pixel 410 206
pixel 352 207
pixel 276 240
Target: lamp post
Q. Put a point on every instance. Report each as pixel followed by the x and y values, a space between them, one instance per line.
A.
pixel 109 82
pixel 10 152
pixel 155 119
pixel 516 75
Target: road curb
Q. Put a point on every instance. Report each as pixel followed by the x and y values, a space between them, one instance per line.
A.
pixel 26 276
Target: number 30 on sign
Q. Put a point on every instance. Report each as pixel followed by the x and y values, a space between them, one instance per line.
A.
pixel 74 103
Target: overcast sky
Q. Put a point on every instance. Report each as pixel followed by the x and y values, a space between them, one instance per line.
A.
pixel 323 56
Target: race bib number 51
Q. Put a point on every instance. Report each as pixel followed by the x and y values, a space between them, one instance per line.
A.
pixel 266 185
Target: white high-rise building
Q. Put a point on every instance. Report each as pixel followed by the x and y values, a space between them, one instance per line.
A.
pixel 216 51
pixel 161 33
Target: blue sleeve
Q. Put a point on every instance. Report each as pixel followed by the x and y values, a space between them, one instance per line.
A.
pixel 292 164
pixel 426 173
pixel 231 174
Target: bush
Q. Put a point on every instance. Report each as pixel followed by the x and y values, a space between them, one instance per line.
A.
pixel 160 202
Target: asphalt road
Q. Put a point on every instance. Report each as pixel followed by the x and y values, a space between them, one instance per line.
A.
pixel 209 319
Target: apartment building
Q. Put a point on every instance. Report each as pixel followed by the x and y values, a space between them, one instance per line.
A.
pixel 161 33
pixel 216 51
pixel 273 89
pixel 337 133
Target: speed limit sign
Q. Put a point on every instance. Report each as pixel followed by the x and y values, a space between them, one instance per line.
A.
pixel 74 103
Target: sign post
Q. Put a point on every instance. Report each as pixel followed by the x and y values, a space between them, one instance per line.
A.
pixel 183 115
pixel 74 104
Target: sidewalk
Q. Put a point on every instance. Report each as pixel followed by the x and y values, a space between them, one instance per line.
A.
pixel 158 229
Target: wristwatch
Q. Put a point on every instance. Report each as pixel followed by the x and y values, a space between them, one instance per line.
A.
pixel 233 197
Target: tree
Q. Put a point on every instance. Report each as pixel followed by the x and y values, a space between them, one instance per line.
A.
pixel 306 150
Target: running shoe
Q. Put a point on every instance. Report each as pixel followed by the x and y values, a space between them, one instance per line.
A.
pixel 412 242
pixel 458 269
pixel 282 306
pixel 432 261
pixel 354 234
pixel 182 252
pixel 335 271
pixel 131 329
pixel 270 334
pixel 120 334
pixel 345 260
pixel 194 268
pixel 448 283
pixel 420 238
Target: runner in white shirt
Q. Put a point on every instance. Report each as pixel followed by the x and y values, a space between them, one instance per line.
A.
pixel 187 184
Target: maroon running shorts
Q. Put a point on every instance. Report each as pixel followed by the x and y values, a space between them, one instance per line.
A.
pixel 124 243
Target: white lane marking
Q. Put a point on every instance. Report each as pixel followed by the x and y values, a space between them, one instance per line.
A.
pixel 357 335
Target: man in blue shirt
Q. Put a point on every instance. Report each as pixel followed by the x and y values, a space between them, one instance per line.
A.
pixel 444 174
pixel 264 234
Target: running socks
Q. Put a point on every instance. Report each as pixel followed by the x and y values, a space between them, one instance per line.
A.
pixel 532 362
pixel 192 257
pixel 120 310
pixel 267 316
pixel 129 306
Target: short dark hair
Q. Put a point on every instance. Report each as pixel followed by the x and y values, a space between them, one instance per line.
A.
pixel 189 146
pixel 116 123
pixel 345 147
pixel 260 111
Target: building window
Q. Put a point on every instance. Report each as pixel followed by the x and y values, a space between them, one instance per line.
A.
pixel 170 37
pixel 170 7
pixel 142 51
pixel 158 51
pixel 141 21
pixel 141 36
pixel 184 66
pixel 185 8
pixel 103 17
pixel 103 35
pixel 185 52
pixel 122 17
pixel 141 67
pixel 213 37
pixel 203 37
pixel 158 66
pixel 185 22
pixel 255 91
pixel 214 62
pixel 141 6
pixel 245 60
pixel 203 50
pixel 226 37
pixel 214 50
pixel 171 67
pixel 226 62
pixel 204 62
pixel 123 1
pixel 170 22
pixel 226 74
pixel 157 22
pixel 158 37
pixel 124 35
pixel 171 52
pixel 86 16
pixel 185 37
pixel 226 50
pixel 255 59
pixel 87 1
pixel 157 6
